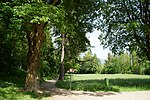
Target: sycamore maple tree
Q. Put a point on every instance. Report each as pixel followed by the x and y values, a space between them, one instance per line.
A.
pixel 34 15
pixel 31 17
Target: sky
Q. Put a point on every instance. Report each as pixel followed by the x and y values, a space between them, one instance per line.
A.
pixel 97 49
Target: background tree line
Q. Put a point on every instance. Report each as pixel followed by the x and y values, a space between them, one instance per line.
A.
pixel 126 63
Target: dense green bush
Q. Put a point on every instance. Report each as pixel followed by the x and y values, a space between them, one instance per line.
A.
pixel 90 64
pixel 126 64
pixel 146 65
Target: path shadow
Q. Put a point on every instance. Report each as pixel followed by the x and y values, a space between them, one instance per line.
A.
pixel 50 87
pixel 117 84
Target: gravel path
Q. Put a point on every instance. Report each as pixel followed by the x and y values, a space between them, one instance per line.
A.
pixel 144 95
pixel 61 94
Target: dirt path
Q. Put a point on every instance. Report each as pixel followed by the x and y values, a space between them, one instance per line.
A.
pixel 61 94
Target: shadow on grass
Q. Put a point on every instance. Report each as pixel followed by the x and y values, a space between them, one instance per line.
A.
pixel 66 92
pixel 99 85
pixel 142 84
pixel 49 87
pixel 2 95
pixel 11 88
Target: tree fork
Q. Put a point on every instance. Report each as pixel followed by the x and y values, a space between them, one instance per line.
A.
pixel 35 40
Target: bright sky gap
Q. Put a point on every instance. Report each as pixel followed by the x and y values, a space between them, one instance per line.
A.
pixel 97 48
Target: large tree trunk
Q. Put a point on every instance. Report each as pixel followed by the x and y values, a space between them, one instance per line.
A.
pixel 35 40
pixel 61 76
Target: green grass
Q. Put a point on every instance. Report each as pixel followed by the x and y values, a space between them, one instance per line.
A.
pixel 117 82
pixel 13 93
pixel 11 88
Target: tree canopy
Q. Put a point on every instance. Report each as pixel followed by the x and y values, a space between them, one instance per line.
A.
pixel 26 25
pixel 90 64
pixel 126 25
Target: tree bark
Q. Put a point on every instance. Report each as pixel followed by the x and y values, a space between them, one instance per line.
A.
pixel 61 76
pixel 148 44
pixel 35 40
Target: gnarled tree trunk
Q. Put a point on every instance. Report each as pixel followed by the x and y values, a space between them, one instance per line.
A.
pixel 35 40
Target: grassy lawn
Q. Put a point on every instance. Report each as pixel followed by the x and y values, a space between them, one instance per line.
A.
pixel 11 88
pixel 117 82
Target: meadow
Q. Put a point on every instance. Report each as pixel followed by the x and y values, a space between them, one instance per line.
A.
pixel 11 88
pixel 96 82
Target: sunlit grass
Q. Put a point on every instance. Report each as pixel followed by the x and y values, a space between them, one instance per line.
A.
pixel 110 76
pixel 117 82
pixel 11 88
pixel 10 91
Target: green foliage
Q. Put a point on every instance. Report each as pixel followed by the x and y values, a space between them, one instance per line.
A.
pixel 19 16
pixel 124 24
pixel 71 30
pixel 12 42
pixel 146 65
pixel 126 63
pixel 49 66
pixel 117 64
pixel 37 13
pixel 90 64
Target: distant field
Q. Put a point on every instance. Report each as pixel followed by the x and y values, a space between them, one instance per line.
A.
pixel 117 82
pixel 76 77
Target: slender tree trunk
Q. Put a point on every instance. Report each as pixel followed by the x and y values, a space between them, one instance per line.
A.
pixel 148 44
pixel 146 20
pixel 61 76
pixel 131 60
pixel 35 40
